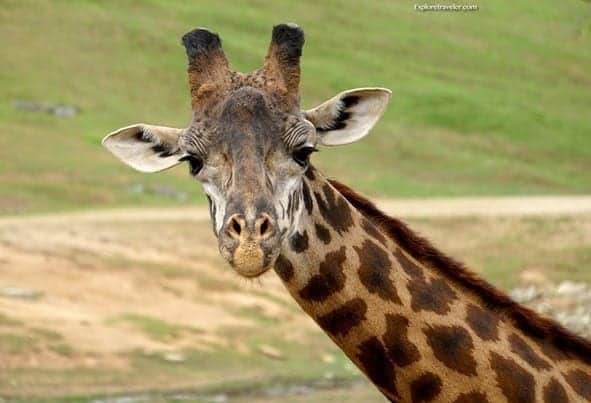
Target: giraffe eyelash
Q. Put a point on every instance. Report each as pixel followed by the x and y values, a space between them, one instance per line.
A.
pixel 301 155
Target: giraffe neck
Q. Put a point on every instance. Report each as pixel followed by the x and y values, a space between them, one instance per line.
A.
pixel 416 334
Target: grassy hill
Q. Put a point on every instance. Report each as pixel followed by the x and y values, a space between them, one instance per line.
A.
pixel 490 102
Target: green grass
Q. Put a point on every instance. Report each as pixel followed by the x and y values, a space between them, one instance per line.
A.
pixel 46 334
pixel 154 328
pixel 489 102
pixel 6 321
pixel 501 249
pixel 62 349
pixel 16 343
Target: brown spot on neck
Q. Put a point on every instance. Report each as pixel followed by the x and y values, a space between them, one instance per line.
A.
pixel 452 345
pixel 520 347
pixel 299 242
pixel 322 233
pixel 400 349
pixel 580 381
pixel 553 351
pixel 554 392
pixel 484 323
pixel 374 271
pixel 372 231
pixel 408 265
pixel 341 320
pixel 334 209
pixel 284 268
pixel 471 397
pixel 435 295
pixel 329 280
pixel 425 388
pixel 515 382
pixel 378 367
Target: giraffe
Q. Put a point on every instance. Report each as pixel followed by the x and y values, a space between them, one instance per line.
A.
pixel 416 322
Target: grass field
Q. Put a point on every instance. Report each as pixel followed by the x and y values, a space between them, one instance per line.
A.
pixel 489 102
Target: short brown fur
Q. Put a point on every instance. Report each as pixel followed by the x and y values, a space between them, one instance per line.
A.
pixel 540 328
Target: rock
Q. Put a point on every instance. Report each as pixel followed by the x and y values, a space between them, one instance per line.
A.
pixel 569 303
pixel 192 397
pixel 159 190
pixel 125 399
pixel 328 375
pixel 283 390
pixel 270 352
pixel 534 277
pixel 64 111
pixel 137 188
pixel 61 110
pixel 20 293
pixel 174 357
pixel 170 192
pixel 571 288
pixel 350 367
pixel 221 398
pixel 525 294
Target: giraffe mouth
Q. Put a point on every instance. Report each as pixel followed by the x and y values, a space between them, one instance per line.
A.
pixel 249 259
pixel 251 272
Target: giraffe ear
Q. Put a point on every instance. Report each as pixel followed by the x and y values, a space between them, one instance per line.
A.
pixel 349 116
pixel 146 148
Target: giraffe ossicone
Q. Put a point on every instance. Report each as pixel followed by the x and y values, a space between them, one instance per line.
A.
pixel 416 322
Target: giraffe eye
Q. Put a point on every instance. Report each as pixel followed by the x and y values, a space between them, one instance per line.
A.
pixel 302 155
pixel 195 163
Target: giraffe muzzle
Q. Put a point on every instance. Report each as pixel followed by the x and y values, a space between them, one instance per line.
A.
pixel 250 245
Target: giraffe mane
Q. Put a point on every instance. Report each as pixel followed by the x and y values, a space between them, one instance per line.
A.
pixel 530 322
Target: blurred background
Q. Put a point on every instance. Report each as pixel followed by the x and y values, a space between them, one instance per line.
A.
pixel 111 287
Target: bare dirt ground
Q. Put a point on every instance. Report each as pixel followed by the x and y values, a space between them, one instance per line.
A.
pixel 89 270
pixel 107 290
pixel 406 208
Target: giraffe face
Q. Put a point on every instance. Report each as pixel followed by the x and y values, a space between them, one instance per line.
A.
pixel 251 172
pixel 249 143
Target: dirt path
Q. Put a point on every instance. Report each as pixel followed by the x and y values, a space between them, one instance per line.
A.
pixel 488 206
pixel 408 207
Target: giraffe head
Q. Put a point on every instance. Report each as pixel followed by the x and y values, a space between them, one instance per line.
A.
pixel 249 143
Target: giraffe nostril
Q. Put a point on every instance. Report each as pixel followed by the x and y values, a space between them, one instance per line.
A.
pixel 238 228
pixel 265 226
pixel 234 226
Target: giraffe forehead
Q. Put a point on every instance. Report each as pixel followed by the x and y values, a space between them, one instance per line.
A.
pixel 255 89
pixel 247 119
